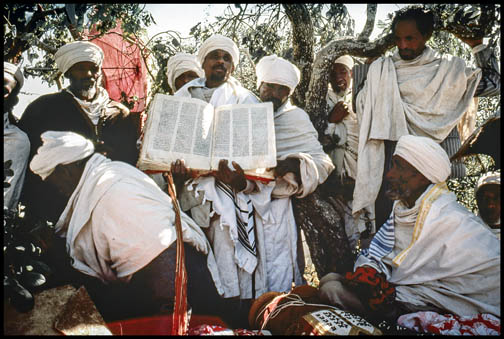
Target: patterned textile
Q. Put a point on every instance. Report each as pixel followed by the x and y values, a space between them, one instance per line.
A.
pixel 371 286
pixel 219 330
pixel 449 324
pixel 244 219
pixel 381 245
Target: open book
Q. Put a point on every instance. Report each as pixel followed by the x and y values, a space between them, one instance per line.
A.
pixel 193 130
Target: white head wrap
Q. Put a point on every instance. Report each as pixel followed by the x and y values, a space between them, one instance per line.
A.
pixel 345 60
pixel 181 63
pixel 426 155
pixel 277 70
pixel 59 148
pixel 15 71
pixel 218 41
pixel 77 51
pixel 490 178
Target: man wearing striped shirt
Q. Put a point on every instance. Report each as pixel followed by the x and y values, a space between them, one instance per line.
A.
pixel 413 27
pixel 432 254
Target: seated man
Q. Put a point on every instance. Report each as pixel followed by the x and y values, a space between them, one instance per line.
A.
pixel 16 143
pixel 83 107
pixel 487 192
pixel 182 68
pixel 120 230
pixel 432 254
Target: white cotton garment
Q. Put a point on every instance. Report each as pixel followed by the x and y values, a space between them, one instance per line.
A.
pixel 179 64
pixel 118 220
pixel 277 70
pixel 218 41
pixel 444 256
pixel 78 51
pixel 425 96
pixel 59 148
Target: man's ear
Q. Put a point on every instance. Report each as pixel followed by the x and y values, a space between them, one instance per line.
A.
pixel 232 69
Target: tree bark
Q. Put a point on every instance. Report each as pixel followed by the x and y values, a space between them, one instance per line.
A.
pixel 302 41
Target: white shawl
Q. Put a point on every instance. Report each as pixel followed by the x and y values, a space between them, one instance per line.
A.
pixel 118 220
pixel 426 96
pixel 230 92
pixel 296 137
pixel 444 257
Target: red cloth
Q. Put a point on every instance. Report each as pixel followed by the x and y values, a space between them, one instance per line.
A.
pixel 123 67
pixel 450 324
pixel 372 286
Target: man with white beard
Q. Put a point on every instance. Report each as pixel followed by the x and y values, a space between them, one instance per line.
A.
pixel 83 107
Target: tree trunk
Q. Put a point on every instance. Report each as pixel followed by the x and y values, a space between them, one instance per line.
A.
pixel 302 42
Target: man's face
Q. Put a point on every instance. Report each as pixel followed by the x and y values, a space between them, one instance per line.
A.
pixel 340 77
pixel 84 78
pixel 184 78
pixel 489 203
pixel 408 39
pixel 405 182
pixel 218 66
pixel 9 86
pixel 277 94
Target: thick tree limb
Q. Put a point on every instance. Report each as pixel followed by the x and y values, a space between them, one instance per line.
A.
pixel 302 41
pixel 370 21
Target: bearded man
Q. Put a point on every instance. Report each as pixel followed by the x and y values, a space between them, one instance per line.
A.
pixel 83 107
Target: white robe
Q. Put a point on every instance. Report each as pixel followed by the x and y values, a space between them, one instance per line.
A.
pixel 425 96
pixel 118 220
pixel 276 232
pixel 17 149
pixel 443 255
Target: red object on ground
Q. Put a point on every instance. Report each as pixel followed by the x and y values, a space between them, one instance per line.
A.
pixel 158 325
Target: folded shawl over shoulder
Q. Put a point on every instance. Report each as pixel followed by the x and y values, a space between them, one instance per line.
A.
pixel 118 220
pixel 426 96
pixel 443 255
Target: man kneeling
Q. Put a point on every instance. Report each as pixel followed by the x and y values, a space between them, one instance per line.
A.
pixel 120 230
pixel 432 254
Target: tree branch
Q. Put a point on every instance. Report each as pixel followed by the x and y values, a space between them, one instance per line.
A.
pixel 302 41
pixel 368 27
pixel 315 99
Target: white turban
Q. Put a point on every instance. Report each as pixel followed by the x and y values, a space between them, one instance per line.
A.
pixel 276 70
pixel 77 51
pixel 490 178
pixel 345 60
pixel 59 148
pixel 218 41
pixel 15 71
pixel 181 63
pixel 426 155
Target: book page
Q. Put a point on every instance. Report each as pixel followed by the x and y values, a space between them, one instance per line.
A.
pixel 245 134
pixel 177 128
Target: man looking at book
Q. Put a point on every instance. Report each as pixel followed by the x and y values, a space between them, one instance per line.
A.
pixel 182 68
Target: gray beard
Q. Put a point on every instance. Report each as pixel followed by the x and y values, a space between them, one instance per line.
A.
pixel 88 94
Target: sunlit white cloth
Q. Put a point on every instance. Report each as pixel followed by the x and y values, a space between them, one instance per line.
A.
pixel 15 71
pixel 181 63
pixel 230 92
pixel 425 96
pixel 77 51
pixel 59 148
pixel 277 70
pixel 94 108
pixel 118 220
pixel 427 156
pixel 442 255
pixel 218 41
